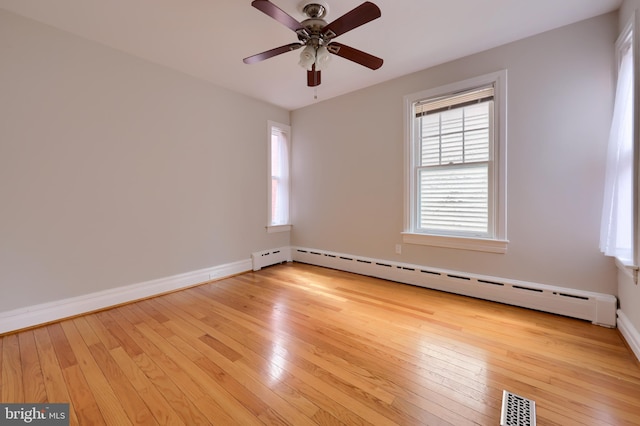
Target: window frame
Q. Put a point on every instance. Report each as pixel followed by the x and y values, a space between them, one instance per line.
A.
pixel 286 130
pixel 497 242
pixel 632 31
pixel 634 27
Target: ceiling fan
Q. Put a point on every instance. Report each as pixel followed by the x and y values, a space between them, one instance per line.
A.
pixel 316 36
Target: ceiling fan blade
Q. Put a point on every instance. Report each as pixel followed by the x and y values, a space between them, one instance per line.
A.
pixel 362 14
pixel 355 55
pixel 313 77
pixel 271 53
pixel 278 14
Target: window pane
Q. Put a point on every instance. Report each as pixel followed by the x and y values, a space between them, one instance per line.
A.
pixel 279 165
pixel 477 116
pixel 452 147
pixel 275 155
pixel 430 147
pixel 456 136
pixel 454 199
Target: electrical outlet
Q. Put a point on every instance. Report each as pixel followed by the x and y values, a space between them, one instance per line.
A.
pixel 398 248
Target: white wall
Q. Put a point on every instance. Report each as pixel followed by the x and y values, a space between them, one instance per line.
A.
pixel 115 171
pixel 348 162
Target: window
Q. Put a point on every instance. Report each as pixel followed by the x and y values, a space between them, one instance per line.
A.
pixel 455 165
pixel 617 227
pixel 279 183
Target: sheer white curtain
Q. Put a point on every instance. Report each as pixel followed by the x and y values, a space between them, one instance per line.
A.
pixel 617 229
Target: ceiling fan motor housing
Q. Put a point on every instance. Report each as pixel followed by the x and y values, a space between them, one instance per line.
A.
pixel 313 25
pixel 315 10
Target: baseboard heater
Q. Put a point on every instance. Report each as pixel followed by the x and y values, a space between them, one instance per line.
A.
pixel 262 259
pixel 595 307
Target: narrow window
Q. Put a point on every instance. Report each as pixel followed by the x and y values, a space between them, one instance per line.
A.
pixel 279 182
pixel 617 226
pixel 455 171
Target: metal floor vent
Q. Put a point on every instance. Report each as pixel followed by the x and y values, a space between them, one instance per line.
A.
pixel 517 411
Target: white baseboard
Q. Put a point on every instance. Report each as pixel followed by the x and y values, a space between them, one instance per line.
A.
pixel 630 333
pixel 595 307
pixel 47 312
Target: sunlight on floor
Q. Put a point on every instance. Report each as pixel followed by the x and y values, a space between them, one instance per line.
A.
pixel 277 360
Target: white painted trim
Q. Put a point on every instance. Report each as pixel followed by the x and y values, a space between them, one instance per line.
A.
pixel 462 243
pixel 628 269
pixel 595 307
pixel 497 180
pixel 286 130
pixel 47 312
pixel 629 332
pixel 272 229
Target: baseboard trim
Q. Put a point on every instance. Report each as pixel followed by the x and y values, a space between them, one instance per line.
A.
pixel 18 319
pixel 630 333
pixel 595 307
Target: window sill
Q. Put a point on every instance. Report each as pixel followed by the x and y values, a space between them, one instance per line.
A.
pixel 272 229
pixel 462 243
pixel 628 268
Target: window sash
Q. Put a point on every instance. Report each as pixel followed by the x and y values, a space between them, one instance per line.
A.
pixel 461 134
pixel 454 199
pixel 453 165
pixel 279 182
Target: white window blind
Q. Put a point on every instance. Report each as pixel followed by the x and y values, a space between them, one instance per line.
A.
pixel 454 138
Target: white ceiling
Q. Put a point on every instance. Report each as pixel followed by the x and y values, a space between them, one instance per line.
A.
pixel 209 38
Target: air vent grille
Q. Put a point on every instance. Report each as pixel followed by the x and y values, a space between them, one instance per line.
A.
pixel 517 411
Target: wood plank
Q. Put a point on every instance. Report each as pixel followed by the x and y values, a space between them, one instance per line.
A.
pixel 193 406
pixel 133 405
pixel 124 340
pixel 33 381
pixel 12 377
pixel 54 383
pixel 82 401
pixel 61 345
pixel 235 408
pixel 85 330
pixel 109 403
pixel 161 409
pixel 51 372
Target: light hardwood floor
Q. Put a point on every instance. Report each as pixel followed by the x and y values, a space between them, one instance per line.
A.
pixel 300 345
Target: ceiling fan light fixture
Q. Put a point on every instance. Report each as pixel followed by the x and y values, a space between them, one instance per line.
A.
pixel 307 57
pixel 323 57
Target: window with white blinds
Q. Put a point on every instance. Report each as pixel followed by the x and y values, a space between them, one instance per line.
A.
pixel 454 138
pixel 456 165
